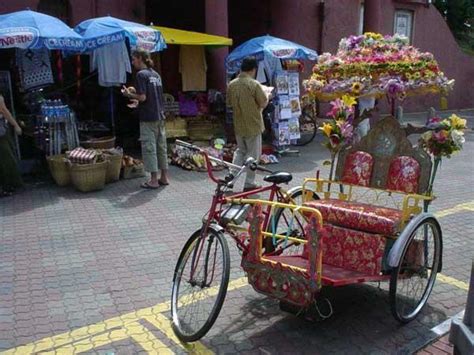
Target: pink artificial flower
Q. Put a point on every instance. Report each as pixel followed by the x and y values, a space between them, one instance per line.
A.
pixel 441 136
pixel 434 122
pixel 346 130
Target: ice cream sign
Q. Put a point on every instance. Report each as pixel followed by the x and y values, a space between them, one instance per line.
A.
pixel 283 52
pixel 147 40
pixel 18 37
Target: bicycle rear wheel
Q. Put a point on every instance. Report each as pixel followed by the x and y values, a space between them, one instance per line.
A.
pixel 308 128
pixel 200 284
pixel 413 279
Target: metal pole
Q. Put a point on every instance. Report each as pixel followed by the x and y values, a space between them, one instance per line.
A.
pixel 461 334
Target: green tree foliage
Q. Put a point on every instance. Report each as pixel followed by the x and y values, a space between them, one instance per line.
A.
pixel 459 15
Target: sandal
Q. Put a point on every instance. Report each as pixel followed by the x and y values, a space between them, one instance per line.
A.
pixel 146 185
pixel 161 183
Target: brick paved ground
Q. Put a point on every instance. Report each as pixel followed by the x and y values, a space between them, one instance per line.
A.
pixel 69 260
pixel 440 347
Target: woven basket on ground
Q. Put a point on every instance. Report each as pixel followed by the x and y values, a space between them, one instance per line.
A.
pixel 59 169
pixel 114 167
pixel 99 143
pixel 88 177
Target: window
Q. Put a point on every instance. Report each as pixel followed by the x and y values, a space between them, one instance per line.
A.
pixel 403 23
pixel 360 30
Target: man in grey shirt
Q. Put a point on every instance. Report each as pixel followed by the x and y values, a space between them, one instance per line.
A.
pixel 149 94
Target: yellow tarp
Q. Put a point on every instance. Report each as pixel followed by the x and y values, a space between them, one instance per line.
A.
pixel 174 36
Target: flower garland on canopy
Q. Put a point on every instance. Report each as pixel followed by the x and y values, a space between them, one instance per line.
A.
pixel 372 65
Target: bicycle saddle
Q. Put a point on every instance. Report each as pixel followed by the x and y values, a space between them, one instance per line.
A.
pixel 278 177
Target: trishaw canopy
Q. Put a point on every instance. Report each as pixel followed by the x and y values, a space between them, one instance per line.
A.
pixel 372 65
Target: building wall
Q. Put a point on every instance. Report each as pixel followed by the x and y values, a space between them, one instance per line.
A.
pixel 133 10
pixel 299 21
pixel 432 34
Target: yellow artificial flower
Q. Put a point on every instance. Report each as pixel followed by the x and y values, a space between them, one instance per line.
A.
pixel 356 87
pixel 327 129
pixel 349 100
pixel 457 122
pixel 409 76
pixel 373 35
pixel 416 75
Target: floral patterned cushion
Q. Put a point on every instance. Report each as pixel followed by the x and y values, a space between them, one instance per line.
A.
pixel 353 250
pixel 358 168
pixel 403 174
pixel 359 216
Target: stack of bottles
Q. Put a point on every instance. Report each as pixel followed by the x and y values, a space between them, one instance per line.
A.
pixel 57 128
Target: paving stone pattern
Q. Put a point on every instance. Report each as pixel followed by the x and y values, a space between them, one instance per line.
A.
pixel 69 260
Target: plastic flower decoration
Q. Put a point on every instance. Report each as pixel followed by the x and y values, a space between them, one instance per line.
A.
pixel 374 65
pixel 445 138
pixel 339 130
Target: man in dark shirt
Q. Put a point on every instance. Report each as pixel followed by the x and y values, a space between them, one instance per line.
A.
pixel 149 94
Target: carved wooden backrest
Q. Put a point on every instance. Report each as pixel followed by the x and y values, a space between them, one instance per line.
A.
pixel 384 142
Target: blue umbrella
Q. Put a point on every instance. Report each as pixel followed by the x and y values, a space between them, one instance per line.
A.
pixel 100 31
pixel 33 30
pixel 273 46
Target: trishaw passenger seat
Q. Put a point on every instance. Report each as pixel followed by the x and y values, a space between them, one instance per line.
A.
pixel 278 177
pixel 404 174
pixel 358 168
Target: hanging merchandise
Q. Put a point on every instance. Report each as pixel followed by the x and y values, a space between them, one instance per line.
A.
pixel 112 63
pixel 34 67
pixel 193 67
pixel 187 104
pixel 78 75
pixel 59 64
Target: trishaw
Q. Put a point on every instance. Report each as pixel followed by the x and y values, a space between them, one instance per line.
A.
pixel 369 223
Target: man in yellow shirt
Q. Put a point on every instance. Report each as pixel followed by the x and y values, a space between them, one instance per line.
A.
pixel 247 99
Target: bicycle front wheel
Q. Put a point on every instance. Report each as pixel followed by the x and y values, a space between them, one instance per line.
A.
pixel 200 284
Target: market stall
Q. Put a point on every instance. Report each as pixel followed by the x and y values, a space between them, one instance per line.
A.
pixel 279 67
pixel 107 41
pixel 195 111
pixel 38 40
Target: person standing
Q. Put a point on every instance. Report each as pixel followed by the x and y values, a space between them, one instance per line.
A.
pixel 149 94
pixel 10 177
pixel 247 99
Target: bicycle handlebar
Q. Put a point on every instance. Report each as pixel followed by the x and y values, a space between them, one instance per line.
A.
pixel 251 164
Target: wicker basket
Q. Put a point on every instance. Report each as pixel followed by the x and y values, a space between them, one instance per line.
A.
pixel 113 168
pixel 133 172
pixel 176 127
pixel 99 143
pixel 59 170
pixel 203 130
pixel 88 177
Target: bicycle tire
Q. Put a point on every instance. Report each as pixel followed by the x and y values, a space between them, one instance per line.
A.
pixel 410 268
pixel 307 136
pixel 294 195
pixel 182 331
